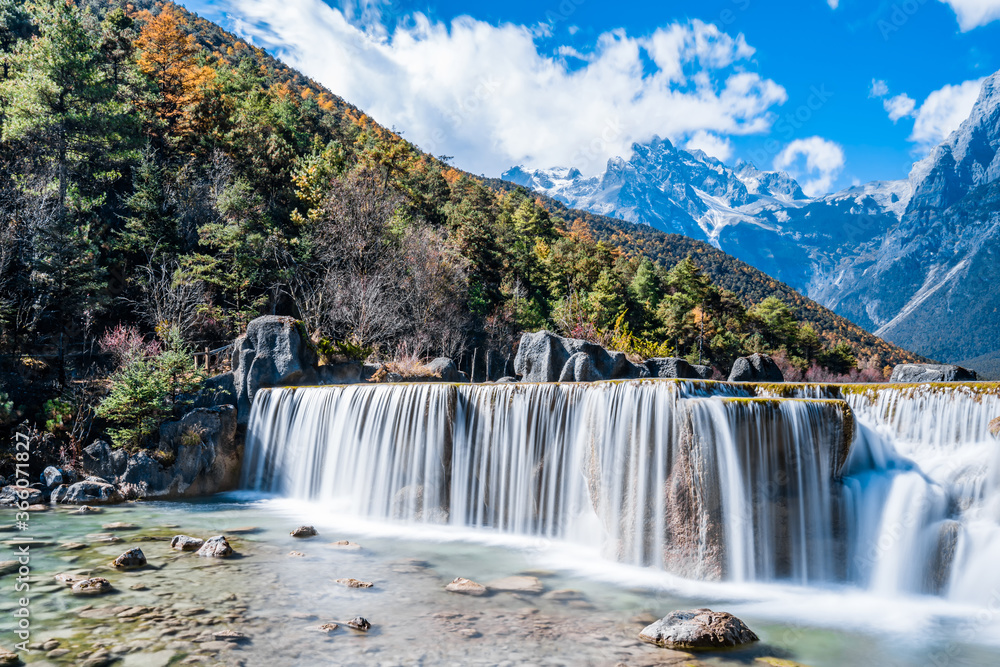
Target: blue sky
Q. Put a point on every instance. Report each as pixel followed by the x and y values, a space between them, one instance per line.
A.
pixel 836 92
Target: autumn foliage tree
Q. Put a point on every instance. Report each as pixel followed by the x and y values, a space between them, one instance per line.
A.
pixel 169 56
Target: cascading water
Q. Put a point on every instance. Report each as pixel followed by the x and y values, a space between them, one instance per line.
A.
pixel 706 480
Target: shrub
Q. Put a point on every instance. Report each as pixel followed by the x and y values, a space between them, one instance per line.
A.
pixel 193 435
pixel 166 459
pixel 126 343
pixel 6 409
pixel 58 416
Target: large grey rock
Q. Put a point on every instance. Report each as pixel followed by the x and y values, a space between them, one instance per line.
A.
pixel 91 491
pixel 217 390
pixel 580 368
pixel 102 460
pixel 543 357
pixel 703 372
pixel 15 495
pixel 273 353
pixel 348 372
pixel 671 367
pixel 216 547
pixel 756 368
pixel 698 629
pixel 444 368
pixel 915 373
pixel 207 456
pixel 53 477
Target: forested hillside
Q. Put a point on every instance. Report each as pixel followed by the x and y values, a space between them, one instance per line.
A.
pixel 163 182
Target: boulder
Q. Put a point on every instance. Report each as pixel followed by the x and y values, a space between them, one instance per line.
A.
pixel 354 583
pixel 671 367
pixel 9 658
pixel 304 531
pixel 580 368
pixel 92 490
pixel 102 460
pixel 698 629
pixel 207 453
pixel 919 373
pixel 186 543
pixel 348 372
pixel 216 547
pixel 544 356
pixel 756 368
pixel 94 586
pixel 15 495
pixel 359 623
pixel 275 352
pixel 703 372
pixel 132 559
pixel 53 477
pixel 466 587
pixel 444 368
pixel 217 390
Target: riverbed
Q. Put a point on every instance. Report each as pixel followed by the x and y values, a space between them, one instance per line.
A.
pixel 279 590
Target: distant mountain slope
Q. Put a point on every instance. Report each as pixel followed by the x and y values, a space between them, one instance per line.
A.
pixel 749 283
pixel 747 185
pixel 911 260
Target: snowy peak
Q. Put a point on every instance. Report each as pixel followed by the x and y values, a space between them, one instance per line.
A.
pixel 776 184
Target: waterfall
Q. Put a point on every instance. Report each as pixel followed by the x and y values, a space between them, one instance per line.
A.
pixel 891 489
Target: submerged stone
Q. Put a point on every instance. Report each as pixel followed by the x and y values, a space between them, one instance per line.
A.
pixel 518 584
pixel 93 586
pixel 304 531
pixel 466 587
pixel 216 547
pixel 359 623
pixel 130 560
pixel 698 629
pixel 354 583
pixel 186 543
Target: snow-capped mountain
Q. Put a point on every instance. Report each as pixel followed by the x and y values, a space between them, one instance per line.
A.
pixel 913 260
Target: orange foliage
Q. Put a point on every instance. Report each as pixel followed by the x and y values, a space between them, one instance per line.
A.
pixel 168 55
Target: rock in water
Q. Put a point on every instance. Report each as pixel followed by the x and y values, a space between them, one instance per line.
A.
pixel 186 543
pixel 216 547
pixel 466 587
pixel 914 373
pixel 94 586
pixel 698 629
pixel 756 368
pixel 132 559
pixel 9 658
pixel 304 531
pixel 519 584
pixel 359 623
pixel 354 583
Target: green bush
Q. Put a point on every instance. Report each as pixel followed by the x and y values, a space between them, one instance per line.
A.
pixel 58 414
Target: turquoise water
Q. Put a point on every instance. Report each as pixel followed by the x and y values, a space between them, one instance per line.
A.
pixel 279 600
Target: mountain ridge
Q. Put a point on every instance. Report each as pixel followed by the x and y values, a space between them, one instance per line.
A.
pixel 894 256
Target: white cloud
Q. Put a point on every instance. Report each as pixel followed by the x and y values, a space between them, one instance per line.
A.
pixel 899 106
pixel 833 3
pixel 974 13
pixel 943 111
pixel 879 88
pixel 712 144
pixel 823 159
pixel 485 94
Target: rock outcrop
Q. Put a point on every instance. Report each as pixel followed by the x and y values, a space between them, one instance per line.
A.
pixel 917 373
pixel 756 368
pixel 546 357
pixel 669 367
pixel 275 352
pixel 698 629
pixel 102 460
pixel 91 491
